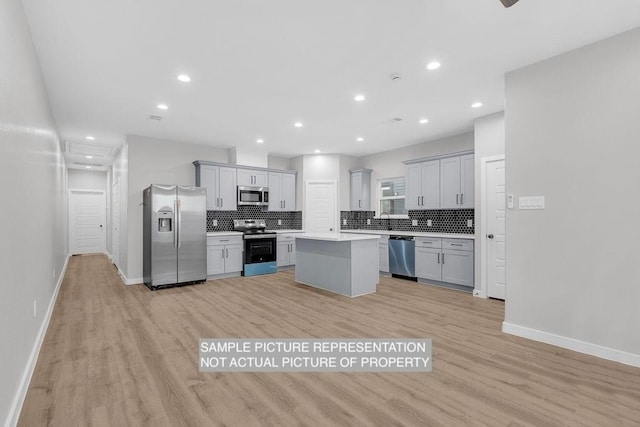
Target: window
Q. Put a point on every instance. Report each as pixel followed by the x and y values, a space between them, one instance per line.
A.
pixel 391 193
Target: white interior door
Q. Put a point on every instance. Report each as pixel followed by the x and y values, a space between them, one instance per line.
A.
pixel 496 229
pixel 87 214
pixel 115 223
pixel 321 201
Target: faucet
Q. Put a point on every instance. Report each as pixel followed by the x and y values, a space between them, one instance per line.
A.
pixel 388 219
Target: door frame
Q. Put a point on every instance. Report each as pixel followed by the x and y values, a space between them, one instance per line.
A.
pixel 115 257
pixel 482 232
pixel 336 212
pixel 104 215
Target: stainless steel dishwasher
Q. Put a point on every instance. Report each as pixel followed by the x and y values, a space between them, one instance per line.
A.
pixel 402 256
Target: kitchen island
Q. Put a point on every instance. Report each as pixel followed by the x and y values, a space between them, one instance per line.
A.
pixel 343 263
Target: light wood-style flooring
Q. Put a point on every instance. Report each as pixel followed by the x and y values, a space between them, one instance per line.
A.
pixel 118 355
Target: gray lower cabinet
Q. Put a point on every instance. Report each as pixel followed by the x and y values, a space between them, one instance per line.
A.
pixel 383 253
pixel 286 249
pixel 224 255
pixel 445 260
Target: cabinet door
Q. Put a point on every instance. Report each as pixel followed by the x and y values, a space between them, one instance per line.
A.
pixel 383 253
pixel 292 253
pixel 215 259
pixel 428 264
pixel 289 191
pixel 260 179
pixel 356 191
pixel 413 186
pixel 244 177
pixel 233 260
pixel 450 183
pixel 457 267
pixel 282 253
pixel 209 176
pixel 467 180
pixel 275 192
pixel 228 189
pixel 430 185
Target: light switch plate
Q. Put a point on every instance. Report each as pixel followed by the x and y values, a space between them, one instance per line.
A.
pixel 510 201
pixel 414 222
pixel 469 223
pixel 429 223
pixel 368 221
pixel 279 222
pixel 531 202
pixel 215 222
pixel 344 222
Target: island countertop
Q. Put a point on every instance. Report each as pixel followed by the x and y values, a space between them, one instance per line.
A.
pixel 338 237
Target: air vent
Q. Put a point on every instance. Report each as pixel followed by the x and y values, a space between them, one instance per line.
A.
pixel 397 119
pixel 156 118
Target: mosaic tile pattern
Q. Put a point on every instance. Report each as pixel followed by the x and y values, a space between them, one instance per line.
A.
pixel 442 221
pixel 290 220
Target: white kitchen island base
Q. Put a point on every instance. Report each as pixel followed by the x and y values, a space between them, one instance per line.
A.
pixel 346 264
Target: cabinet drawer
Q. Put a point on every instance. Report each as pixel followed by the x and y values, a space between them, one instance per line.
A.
pixel 223 240
pixel 428 242
pixel 457 244
pixel 287 237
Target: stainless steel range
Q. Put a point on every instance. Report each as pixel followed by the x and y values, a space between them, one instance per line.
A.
pixel 259 247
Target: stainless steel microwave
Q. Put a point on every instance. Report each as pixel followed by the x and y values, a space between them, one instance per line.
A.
pixel 253 196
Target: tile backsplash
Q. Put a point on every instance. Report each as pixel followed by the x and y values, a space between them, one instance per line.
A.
pixel 289 220
pixel 442 221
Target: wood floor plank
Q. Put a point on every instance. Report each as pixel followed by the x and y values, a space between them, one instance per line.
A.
pixel 124 355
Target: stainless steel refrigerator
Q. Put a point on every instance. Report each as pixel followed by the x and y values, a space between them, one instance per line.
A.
pixel 175 235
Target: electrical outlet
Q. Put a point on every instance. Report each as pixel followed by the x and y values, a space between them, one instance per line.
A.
pixel 279 222
pixel 35 308
pixel 215 222
pixel 368 221
pixel 414 222
pixel 429 223
pixel 469 223
pixel 344 222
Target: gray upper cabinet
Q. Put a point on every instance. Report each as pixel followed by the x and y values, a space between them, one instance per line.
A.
pixel 282 191
pixel 457 182
pixel 252 177
pixel 361 189
pixel 423 185
pixel 220 183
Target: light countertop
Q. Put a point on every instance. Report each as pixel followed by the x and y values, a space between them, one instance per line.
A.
pixel 412 233
pixel 287 231
pixel 223 233
pixel 338 237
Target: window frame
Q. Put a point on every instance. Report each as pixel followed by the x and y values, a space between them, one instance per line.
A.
pixel 379 198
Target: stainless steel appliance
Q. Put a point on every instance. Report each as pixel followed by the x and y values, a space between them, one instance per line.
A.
pixel 174 235
pixel 259 247
pixel 402 256
pixel 253 196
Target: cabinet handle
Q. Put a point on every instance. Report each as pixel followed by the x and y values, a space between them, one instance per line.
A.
pixel 455 244
pixel 422 200
pixel 221 202
pixel 217 202
pixel 227 252
pixel 457 198
pixel 443 258
pixel 418 200
pixel 222 256
pixel 462 199
pixel 359 203
pixel 438 258
pixel 284 204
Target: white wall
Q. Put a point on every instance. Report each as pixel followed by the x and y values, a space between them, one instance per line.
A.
pixel 80 179
pixel 120 174
pixel 154 161
pixel 33 220
pixel 572 132
pixel 347 163
pixel 297 164
pixel 276 162
pixel 388 164
pixel 489 141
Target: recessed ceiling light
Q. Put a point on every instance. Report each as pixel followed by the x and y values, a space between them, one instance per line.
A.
pixel 423 121
pixel 89 157
pixel 87 167
pixel 433 65
pixel 360 139
pixel 476 105
pixel 359 97
pixel 298 124
pixel 317 151
pixel 91 138
pixel 184 78
pixel 163 107
pixel 259 140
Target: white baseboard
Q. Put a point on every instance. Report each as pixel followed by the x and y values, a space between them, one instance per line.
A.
pixel 18 401
pixel 573 344
pixel 127 281
pixel 480 293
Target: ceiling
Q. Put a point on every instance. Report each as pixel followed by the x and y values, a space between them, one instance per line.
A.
pixel 258 66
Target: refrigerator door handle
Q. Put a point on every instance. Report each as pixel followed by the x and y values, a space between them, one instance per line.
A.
pixel 179 212
pixel 175 229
